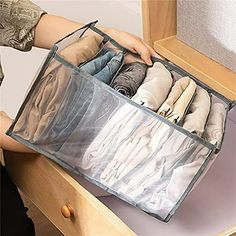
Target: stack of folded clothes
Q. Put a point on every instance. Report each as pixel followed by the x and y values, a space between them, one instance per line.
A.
pixel 181 102
pixel 169 160
pixel 134 147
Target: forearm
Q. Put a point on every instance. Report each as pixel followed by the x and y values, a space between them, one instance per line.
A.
pixel 52 28
pixel 7 142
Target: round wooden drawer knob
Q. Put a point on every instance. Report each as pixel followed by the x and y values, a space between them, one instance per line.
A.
pixel 67 211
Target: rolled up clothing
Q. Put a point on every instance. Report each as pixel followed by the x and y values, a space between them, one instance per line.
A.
pixel 195 120
pixel 109 71
pixel 182 103
pixel 176 91
pixel 82 49
pixel 129 79
pixel 215 125
pixel 155 88
pixel 99 62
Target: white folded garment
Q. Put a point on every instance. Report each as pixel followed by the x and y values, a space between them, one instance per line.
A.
pixel 104 146
pixel 195 120
pixel 163 195
pixel 138 148
pixel 155 88
pixel 182 103
pixel 215 125
pixel 173 150
pixel 176 91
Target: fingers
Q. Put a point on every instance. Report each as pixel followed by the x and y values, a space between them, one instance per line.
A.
pixel 144 53
pixel 152 51
pixel 129 58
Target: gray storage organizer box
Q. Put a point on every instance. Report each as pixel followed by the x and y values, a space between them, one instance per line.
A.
pixel 89 128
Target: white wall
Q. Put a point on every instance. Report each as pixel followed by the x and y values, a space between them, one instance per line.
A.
pixel 20 67
pixel 210 27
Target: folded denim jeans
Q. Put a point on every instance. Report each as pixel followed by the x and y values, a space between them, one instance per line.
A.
pixel 155 88
pixel 105 65
pixel 129 78
pixel 107 73
pixel 99 62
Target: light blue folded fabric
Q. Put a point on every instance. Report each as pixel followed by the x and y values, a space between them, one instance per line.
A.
pixel 105 65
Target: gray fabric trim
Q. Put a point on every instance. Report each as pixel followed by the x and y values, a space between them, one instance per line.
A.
pixel 222 139
pixel 144 109
pixel 200 83
pixel 54 55
pixel 87 26
pixel 169 66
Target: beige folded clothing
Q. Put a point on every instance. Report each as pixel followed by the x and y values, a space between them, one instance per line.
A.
pixel 78 52
pixel 195 120
pixel 81 50
pixel 215 125
pixel 155 88
pixel 182 103
pixel 178 88
pixel 44 104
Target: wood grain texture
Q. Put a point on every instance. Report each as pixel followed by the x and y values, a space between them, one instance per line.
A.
pixel 159 19
pixel 49 187
pixel 228 232
pixel 43 227
pixel 208 71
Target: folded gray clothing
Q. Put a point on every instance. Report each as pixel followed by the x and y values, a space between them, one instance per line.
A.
pixel 130 78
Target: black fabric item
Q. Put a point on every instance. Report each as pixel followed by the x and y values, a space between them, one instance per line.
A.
pixel 14 218
pixel 130 78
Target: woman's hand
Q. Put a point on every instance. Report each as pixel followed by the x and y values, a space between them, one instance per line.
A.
pixel 133 43
pixel 60 27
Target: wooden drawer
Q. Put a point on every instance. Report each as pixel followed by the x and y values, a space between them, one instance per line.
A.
pixel 50 188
